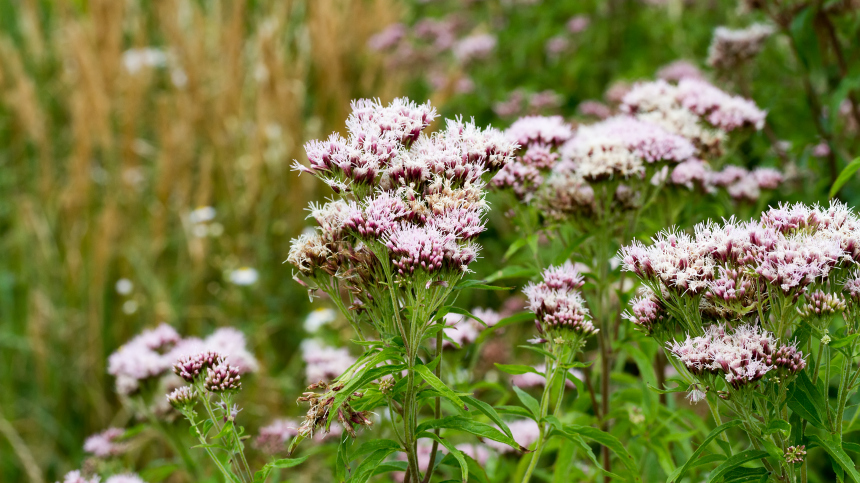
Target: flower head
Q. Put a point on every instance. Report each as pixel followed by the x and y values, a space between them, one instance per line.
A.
pixel 194 366
pixel 222 378
pixel 106 443
pixel 182 397
pixel 732 48
pixel 550 130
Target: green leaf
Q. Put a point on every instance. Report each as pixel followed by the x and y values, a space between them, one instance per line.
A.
pixel 777 425
pixel 390 466
pixel 529 402
pixel 465 424
pixel 515 411
pixel 512 271
pixel 514 319
pixel 452 450
pixel 839 343
pixel 645 364
pixel 682 386
pixel 576 439
pixel 375 445
pixel 364 377
pixel 691 461
pixel 735 461
pixel 838 454
pixel 604 439
pixel 478 284
pixel 226 430
pixel 287 462
pixel 489 412
pixel 846 174
pixel 514 248
pixel 537 349
pixel 517 369
pixel 367 467
pixel 806 400
pixel 475 470
pixel 450 309
pixel 747 475
pixel 440 386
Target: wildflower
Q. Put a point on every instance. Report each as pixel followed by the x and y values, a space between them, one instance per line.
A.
pixel 543 100
pixel 459 331
pixel 563 277
pixel 318 318
pixel 851 286
pixel 222 378
pixel 244 276
pixel 195 366
pixel 693 173
pixel 768 178
pixel 273 438
pixel 646 311
pixel 795 454
pixel 556 45
pixel 731 48
pixel 324 363
pixel 539 129
pixel 578 24
pixel 182 397
pixel 474 47
pixel 106 444
pixel 558 311
pixel 77 477
pixel 679 69
pixel 135 60
pixel 695 394
pixel 595 109
pixel 787 359
pixel 636 416
pixel 125 478
pixel 202 214
pixel 822 304
pixel 720 109
pixel 124 286
pixel 388 38
pixel 523 179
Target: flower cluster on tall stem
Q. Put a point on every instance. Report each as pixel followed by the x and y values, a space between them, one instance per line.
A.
pixel 398 237
pixel 749 296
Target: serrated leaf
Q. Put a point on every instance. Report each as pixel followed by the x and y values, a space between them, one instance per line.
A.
pixel 805 399
pixel 515 411
pixel 777 425
pixel 465 284
pixel 537 349
pixel 374 445
pixel 576 439
pixel 734 462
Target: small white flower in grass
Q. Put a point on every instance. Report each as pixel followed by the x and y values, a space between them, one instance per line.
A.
pixel 202 215
pixel 244 276
pixel 318 318
pixel 135 60
pixel 124 286
pixel 129 307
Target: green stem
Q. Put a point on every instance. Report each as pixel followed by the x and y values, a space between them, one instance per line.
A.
pixel 239 443
pixel 228 476
pixel 437 412
pixel 544 407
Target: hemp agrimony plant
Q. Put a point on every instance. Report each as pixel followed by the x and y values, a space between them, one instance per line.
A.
pixel 391 249
pixel 585 191
pixel 757 302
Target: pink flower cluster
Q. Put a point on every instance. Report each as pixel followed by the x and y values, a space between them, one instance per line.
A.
pixel 464 330
pixel 742 357
pixel 558 305
pixel 324 363
pixel 646 311
pixel 791 247
pixel 106 443
pixel 153 352
pixel 730 49
pixel 679 69
pixel 422 198
pixel 740 183
pixel 694 109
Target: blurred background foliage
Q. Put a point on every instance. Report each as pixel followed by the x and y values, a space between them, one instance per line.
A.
pixel 118 118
